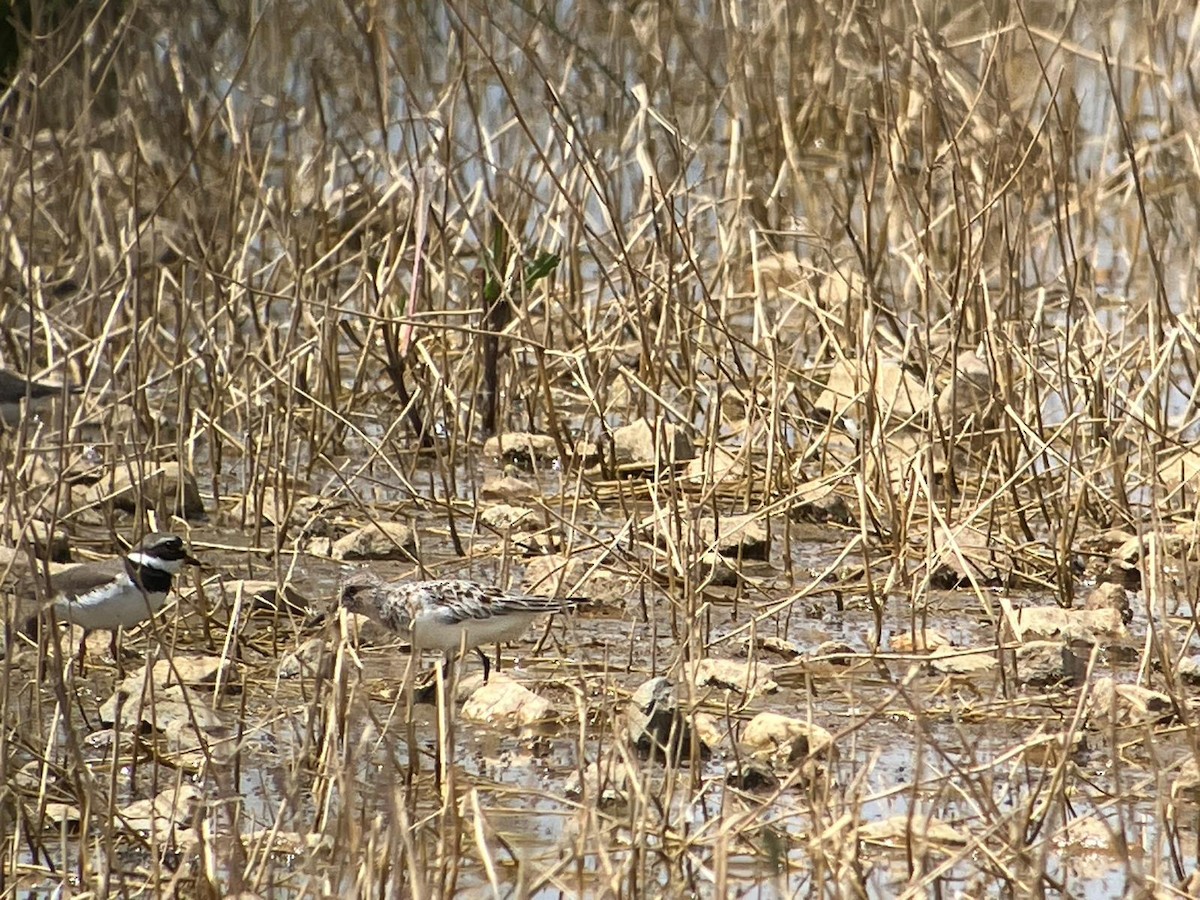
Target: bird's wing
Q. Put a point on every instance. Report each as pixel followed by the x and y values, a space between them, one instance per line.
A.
pixel 468 599
pixel 15 385
pixel 78 580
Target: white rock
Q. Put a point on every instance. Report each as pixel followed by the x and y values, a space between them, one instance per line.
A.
pixel 174 808
pixel 770 734
pixel 382 540
pixel 646 446
pixel 503 703
pixel 1111 704
pixel 1039 623
pixel 752 678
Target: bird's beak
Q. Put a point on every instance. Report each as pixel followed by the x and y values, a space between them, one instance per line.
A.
pixel 190 560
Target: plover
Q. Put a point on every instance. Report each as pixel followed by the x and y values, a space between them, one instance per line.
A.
pixel 119 593
pixel 16 389
pixel 448 614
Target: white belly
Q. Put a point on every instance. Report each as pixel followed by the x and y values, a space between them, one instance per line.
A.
pixel 109 610
pixel 434 635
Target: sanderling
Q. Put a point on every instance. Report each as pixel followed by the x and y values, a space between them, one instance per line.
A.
pixel 16 389
pixel 447 615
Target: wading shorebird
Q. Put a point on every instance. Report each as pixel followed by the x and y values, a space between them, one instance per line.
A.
pixel 448 614
pixel 16 389
pixel 112 594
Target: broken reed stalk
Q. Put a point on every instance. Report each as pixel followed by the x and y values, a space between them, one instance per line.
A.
pixel 497 313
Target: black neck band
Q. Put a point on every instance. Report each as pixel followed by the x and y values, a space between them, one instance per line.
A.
pixel 152 580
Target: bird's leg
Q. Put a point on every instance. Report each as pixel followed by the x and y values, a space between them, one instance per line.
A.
pixel 487 666
pixel 81 656
pixel 114 646
pixel 42 633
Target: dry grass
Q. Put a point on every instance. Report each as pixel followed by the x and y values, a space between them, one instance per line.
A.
pixel 317 253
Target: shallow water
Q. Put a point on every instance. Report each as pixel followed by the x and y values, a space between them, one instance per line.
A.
pixel 923 181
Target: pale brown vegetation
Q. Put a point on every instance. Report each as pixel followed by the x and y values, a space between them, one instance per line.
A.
pixel 923 275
